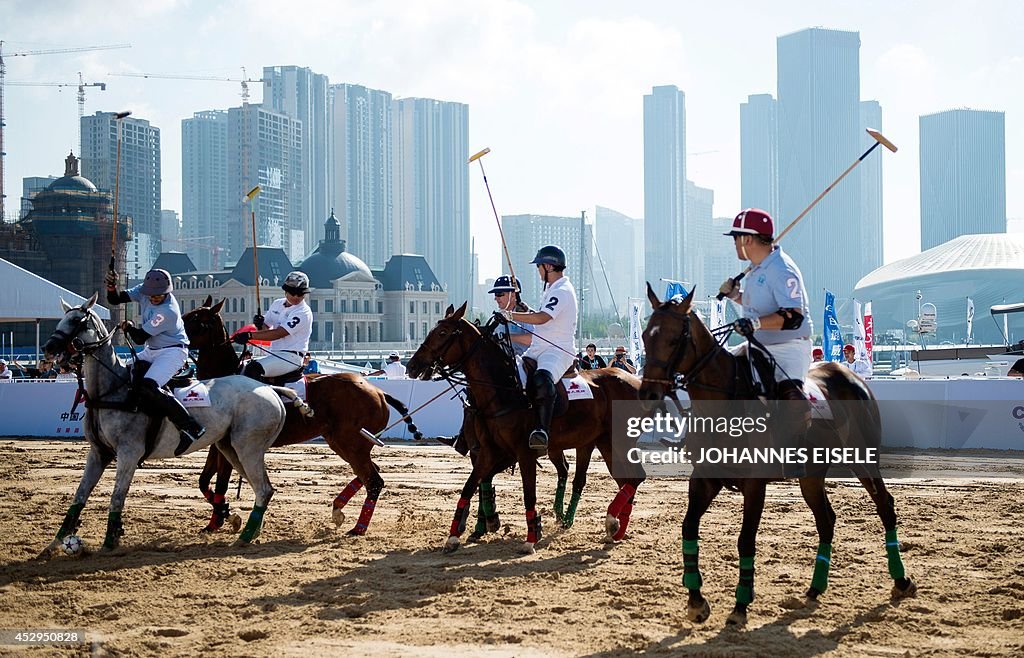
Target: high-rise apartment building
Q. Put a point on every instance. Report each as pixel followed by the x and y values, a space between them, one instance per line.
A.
pixel 620 246
pixel 819 134
pixel 870 173
pixel 963 175
pixel 138 183
pixel 430 188
pixel 209 211
pixel 759 154
pixel 302 95
pixel 360 154
pixel 665 182
pixel 702 241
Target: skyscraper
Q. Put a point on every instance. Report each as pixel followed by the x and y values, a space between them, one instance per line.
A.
pixel 301 94
pixel 819 134
pixel 139 181
pixel 963 175
pixel 209 211
pixel 265 149
pixel 430 187
pixel 701 241
pixel 620 244
pixel 361 147
pixel 759 154
pixel 870 173
pixel 664 182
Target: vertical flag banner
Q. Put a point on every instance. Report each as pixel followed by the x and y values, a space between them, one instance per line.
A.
pixel 970 319
pixel 869 332
pixel 674 288
pixel 635 329
pixel 832 339
pixel 717 313
pixel 859 335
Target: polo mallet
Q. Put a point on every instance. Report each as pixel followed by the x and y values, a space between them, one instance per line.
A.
pixel 879 139
pixel 375 438
pixel 117 189
pixel 479 158
pixel 255 261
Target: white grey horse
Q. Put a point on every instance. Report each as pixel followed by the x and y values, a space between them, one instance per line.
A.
pixel 243 419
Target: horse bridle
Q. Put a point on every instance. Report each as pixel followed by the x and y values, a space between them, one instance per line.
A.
pixel 72 340
pixel 684 381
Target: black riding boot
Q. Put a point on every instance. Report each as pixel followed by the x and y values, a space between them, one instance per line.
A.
pixel 254 370
pixel 544 405
pixel 793 421
pixel 159 402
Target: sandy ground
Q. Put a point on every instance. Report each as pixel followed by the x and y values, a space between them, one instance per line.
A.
pixel 307 590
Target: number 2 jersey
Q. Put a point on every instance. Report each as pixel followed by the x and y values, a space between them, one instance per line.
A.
pixel 558 301
pixel 776 283
pixel 297 320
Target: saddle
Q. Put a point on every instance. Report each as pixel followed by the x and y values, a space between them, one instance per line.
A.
pixel 561 395
pixel 287 378
pixel 180 379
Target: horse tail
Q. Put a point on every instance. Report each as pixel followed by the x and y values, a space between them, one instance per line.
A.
pixel 295 400
pixel 400 407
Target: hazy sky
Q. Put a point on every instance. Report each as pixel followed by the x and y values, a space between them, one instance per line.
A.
pixel 555 89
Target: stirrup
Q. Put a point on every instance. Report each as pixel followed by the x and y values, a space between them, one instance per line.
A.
pixel 539 439
pixel 186 438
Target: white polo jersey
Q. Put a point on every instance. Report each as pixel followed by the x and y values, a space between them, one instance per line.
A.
pixel 558 301
pixel 297 320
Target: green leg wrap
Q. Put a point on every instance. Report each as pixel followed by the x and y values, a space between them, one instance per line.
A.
pixel 559 499
pixel 114 530
pixel 570 513
pixel 71 523
pixel 484 508
pixel 253 524
pixel 822 562
pixel 892 551
pixel 691 571
pixel 745 589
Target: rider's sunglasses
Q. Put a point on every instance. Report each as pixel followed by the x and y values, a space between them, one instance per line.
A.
pixel 500 294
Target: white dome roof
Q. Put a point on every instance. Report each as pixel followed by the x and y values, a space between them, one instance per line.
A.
pixel 987 251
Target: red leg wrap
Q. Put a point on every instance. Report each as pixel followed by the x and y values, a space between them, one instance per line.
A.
pixel 461 514
pixel 533 530
pixel 621 499
pixel 623 517
pixel 364 516
pixel 347 493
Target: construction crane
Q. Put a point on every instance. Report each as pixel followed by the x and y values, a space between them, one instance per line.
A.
pixel 245 79
pixel 81 84
pixel 3 80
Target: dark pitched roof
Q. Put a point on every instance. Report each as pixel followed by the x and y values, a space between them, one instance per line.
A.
pixel 174 262
pixel 406 268
pixel 273 264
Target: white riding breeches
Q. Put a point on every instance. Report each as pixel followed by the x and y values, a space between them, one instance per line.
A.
pixel 551 359
pixel 164 363
pixel 793 358
pixel 276 364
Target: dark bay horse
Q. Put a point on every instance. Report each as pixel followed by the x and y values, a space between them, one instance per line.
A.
pixel 343 404
pixel 679 344
pixel 457 345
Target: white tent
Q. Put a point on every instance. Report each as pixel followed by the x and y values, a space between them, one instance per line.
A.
pixel 27 297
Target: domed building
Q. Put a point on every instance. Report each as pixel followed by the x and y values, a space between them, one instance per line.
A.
pixel 354 307
pixel 988 268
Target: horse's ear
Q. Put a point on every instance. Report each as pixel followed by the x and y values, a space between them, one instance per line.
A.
pixel 65 306
pixel 215 307
pixel 448 312
pixel 461 311
pixel 655 302
pixel 689 298
pixel 91 301
pixel 208 302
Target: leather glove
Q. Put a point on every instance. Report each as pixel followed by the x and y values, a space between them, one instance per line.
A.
pixel 242 337
pixel 503 315
pixel 746 326
pixel 110 280
pixel 729 288
pixel 258 321
pixel 126 325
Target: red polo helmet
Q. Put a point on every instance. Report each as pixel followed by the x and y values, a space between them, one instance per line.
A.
pixel 753 221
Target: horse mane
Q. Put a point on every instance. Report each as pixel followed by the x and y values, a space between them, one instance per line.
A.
pixel 498 364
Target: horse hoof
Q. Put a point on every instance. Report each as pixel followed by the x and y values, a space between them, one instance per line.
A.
pixel 907 591
pixel 338 515
pixel 475 537
pixel 812 594
pixel 356 532
pixel 47 552
pixel 451 545
pixel 493 524
pixel 736 618
pixel 235 522
pixel 699 614
pixel 611 526
pixel 566 525
pixel 527 549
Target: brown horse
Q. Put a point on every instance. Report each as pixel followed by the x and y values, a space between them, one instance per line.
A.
pixel 679 344
pixel 343 404
pixel 457 345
